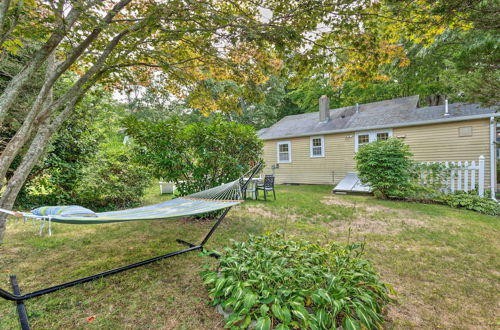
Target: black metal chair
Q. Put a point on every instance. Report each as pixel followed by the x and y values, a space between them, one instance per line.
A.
pixel 268 185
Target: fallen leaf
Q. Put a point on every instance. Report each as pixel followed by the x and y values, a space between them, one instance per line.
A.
pixel 91 319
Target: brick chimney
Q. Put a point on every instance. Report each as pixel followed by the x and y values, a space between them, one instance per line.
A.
pixel 324 109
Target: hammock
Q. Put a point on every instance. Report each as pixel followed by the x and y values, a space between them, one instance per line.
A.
pixel 209 200
pixel 222 197
pixel 213 199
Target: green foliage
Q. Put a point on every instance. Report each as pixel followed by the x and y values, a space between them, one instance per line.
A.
pixel 428 180
pixel 271 107
pixel 111 180
pixel 471 201
pixel 308 92
pixel 429 185
pixel 86 162
pixel 284 284
pixel 54 178
pixel 386 166
pixel 195 156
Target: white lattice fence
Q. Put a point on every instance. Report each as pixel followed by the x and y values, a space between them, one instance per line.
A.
pixel 464 176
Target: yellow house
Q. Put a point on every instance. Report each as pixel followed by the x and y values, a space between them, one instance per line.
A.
pixel 319 147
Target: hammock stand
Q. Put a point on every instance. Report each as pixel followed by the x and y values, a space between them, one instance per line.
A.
pixel 19 298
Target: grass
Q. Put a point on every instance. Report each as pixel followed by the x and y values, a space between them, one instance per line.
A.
pixel 443 262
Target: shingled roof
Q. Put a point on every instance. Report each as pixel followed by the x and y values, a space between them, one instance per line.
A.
pixel 384 114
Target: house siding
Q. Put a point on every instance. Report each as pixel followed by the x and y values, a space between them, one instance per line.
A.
pixel 436 142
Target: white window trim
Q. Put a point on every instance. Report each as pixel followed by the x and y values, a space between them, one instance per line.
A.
pixel 289 143
pixel 322 146
pixel 372 136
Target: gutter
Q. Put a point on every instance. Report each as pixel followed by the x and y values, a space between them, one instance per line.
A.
pixel 493 158
pixel 415 123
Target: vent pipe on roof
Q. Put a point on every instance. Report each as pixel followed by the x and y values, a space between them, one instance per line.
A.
pixel 446 113
pixel 324 109
pixel 357 107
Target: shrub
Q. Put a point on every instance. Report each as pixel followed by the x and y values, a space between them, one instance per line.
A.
pixel 428 180
pixel 471 201
pixel 111 181
pixel 386 166
pixel 195 156
pixel 53 179
pixel 286 284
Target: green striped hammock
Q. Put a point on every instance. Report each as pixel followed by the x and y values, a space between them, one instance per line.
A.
pixel 214 199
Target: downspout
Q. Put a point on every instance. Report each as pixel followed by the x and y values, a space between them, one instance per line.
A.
pixel 493 169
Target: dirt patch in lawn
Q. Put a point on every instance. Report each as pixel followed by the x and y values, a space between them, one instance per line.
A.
pixel 372 216
pixel 363 227
pixel 386 226
pixel 261 211
pixel 379 208
pixel 266 213
pixel 337 201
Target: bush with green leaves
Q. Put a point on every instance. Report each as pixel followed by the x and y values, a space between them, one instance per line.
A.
pixel 273 282
pixel 86 162
pixel 386 166
pixel 112 181
pixel 471 201
pixel 195 156
pixel 428 180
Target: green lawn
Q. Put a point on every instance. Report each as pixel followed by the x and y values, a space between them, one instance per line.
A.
pixel 443 262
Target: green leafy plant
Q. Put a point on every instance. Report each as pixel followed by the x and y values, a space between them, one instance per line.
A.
pixel 386 166
pixel 470 201
pixel 112 181
pixel 195 156
pixel 428 180
pixel 271 282
pixel 428 183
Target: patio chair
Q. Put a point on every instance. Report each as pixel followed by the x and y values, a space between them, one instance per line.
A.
pixel 268 185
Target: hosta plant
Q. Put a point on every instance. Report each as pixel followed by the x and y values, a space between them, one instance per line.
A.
pixel 271 282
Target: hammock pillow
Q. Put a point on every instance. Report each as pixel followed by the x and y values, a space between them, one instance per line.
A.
pixel 69 211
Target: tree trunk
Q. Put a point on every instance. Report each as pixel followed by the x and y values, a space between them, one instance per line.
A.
pixel 38 118
pixel 46 128
pixel 7 155
pixel 4 7
pixel 435 99
pixel 30 159
pixel 55 73
pixel 14 87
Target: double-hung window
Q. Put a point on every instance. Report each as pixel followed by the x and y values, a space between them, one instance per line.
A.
pixel 284 152
pixel 382 135
pixel 371 136
pixel 317 146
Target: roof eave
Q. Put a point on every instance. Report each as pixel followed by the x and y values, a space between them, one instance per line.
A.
pixel 415 123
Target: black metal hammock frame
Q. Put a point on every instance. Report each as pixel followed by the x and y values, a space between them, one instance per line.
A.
pixel 19 298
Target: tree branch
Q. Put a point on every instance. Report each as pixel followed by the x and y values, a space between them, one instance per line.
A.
pixel 37 116
pixel 4 7
pixel 12 25
pixel 10 93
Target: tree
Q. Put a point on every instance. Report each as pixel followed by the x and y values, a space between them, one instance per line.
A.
pixel 461 64
pixel 196 156
pixel 113 42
